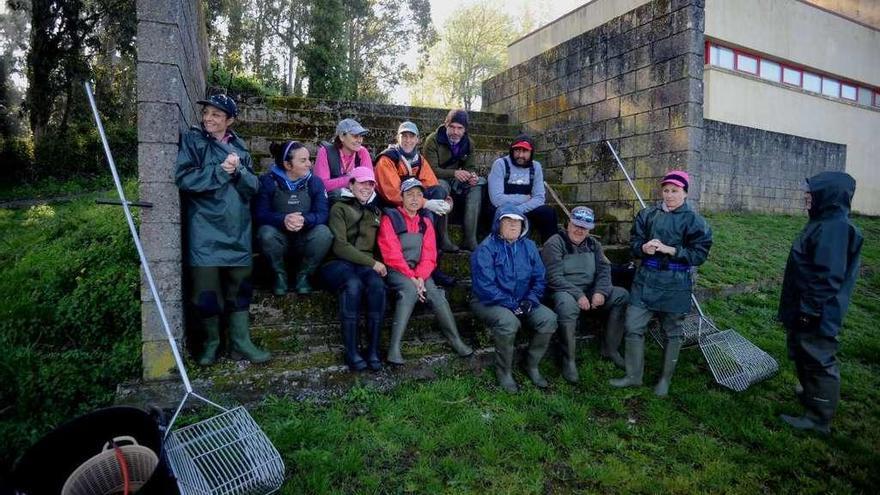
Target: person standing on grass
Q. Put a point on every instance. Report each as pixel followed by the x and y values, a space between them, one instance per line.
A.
pixel 820 274
pixel 409 250
pixel 517 179
pixel 671 239
pixel 508 283
pixel 217 182
pixel 354 272
pixel 291 211
pixel 451 151
pixel 579 278
pixel 335 161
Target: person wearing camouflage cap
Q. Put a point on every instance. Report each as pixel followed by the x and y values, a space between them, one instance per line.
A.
pixel 579 279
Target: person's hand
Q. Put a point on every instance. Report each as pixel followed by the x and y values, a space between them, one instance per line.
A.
pixel 294 222
pixel 379 268
pixel 473 179
pixel 462 175
pixel 598 300
pixel 649 248
pixel 230 163
pixel 524 308
pixel 438 206
pixel 420 287
pixel 584 303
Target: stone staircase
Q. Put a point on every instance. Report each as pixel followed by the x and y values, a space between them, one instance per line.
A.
pixel 303 332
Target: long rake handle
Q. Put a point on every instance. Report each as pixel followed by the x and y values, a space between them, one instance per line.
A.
pixel 134 234
pixel 642 202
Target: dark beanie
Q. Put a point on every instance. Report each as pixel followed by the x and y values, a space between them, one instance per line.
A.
pixel 458 116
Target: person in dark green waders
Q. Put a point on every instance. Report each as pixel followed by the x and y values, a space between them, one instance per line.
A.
pixel 820 274
pixel 216 181
pixel 670 238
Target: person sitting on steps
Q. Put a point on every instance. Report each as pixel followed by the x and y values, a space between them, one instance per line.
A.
pixel 335 161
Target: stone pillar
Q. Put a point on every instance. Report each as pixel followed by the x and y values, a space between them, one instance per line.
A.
pixel 171 72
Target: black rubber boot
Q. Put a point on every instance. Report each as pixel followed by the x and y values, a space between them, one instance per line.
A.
pixel 504 348
pixel 670 359
pixel 470 221
pixel 446 322
pixel 302 286
pixel 280 287
pixel 374 333
pixel 566 336
pixel 613 337
pixel 635 363
pixel 444 243
pixel 537 349
pixel 807 422
pixel 241 346
pixel 211 327
pixel 353 359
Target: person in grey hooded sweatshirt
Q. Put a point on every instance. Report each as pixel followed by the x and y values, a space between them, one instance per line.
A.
pixel 820 274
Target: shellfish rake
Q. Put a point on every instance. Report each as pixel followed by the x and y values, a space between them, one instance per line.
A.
pixel 735 362
pixel 225 454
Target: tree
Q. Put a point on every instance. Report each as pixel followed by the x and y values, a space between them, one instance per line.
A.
pixel 324 57
pixel 472 48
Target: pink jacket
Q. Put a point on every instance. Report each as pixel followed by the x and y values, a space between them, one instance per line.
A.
pixel 322 168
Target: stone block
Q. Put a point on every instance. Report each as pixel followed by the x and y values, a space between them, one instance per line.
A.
pixel 636 59
pixel 583 192
pixel 158 361
pixel 158 123
pixel 607 109
pixel 151 322
pixel 167 275
pixel 661 27
pixel 161 43
pixel 165 11
pixel 156 162
pixel 160 83
pixel 661 7
pixel 161 241
pixel 599 71
pixel 620 85
pixel 620 127
pixel 592 94
pixel 689 41
pixel 165 197
pixel 635 146
pixel 677 92
pixel 570 175
pixel 686 114
pixel 634 103
pixel 663 50
pixel 653 121
pixel 604 191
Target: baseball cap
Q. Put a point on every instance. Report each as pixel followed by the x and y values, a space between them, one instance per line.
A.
pixel 678 177
pixel 222 102
pixel 362 174
pixel 583 217
pixel 411 183
pixel 408 127
pixel 350 126
pixel 522 144
pixel 515 216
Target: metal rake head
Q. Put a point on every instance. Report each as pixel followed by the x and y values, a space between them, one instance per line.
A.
pixel 735 362
pixel 693 326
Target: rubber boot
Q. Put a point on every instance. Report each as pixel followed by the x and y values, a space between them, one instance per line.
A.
pixel 670 359
pixel 211 327
pixel 444 243
pixel 374 332
pixel 280 287
pixel 443 279
pixel 807 422
pixel 567 344
pixel 820 397
pixel 471 219
pixel 614 331
pixel 302 286
pixel 240 340
pixel 504 348
pixel 537 349
pixel 635 364
pixel 353 359
pixel 446 322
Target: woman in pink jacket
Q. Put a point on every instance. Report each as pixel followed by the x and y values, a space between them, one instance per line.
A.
pixel 335 161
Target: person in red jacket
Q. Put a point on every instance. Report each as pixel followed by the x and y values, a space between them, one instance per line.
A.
pixel 409 249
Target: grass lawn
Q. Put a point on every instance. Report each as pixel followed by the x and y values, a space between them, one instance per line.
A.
pixel 459 434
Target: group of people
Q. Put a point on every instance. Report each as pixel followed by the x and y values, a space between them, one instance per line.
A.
pixel 360 230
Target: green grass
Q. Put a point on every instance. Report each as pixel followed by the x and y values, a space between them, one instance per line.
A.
pixel 459 434
pixel 52 188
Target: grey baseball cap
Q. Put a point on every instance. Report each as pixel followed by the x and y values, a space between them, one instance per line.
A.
pixel 583 217
pixel 408 127
pixel 411 183
pixel 350 126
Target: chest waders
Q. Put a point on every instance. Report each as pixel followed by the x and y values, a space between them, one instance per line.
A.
pixel 334 162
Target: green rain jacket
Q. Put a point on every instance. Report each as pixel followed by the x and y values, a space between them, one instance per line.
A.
pixel 823 263
pixel 216 204
pixel 667 285
pixel 439 153
pixel 354 227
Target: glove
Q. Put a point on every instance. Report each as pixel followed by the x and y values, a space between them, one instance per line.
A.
pixel 438 206
pixel 524 308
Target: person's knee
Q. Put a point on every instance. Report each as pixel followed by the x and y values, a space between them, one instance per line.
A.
pixel 618 297
pixel 407 295
pixel 435 192
pixel 268 235
pixel 353 286
pixel 543 319
pixel 207 304
pixel 321 234
pixel 565 307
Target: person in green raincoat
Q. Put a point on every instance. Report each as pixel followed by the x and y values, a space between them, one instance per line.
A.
pixel 216 182
pixel 670 238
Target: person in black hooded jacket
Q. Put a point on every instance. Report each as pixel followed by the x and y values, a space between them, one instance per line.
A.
pixel 820 274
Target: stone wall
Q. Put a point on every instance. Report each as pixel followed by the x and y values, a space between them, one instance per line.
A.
pixel 756 170
pixel 171 71
pixel 636 81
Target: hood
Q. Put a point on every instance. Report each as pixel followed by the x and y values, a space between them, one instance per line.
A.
pixel 349 196
pixel 831 192
pixel 504 210
pixel 528 139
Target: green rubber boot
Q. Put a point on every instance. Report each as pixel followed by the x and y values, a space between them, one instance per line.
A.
pixel 241 346
pixel 303 287
pixel 280 286
pixel 567 343
pixel 537 349
pixel 211 326
pixel 504 348
pixel 635 363
pixel 472 218
pixel 670 360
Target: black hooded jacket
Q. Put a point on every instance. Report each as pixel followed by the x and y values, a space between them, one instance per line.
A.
pixel 823 263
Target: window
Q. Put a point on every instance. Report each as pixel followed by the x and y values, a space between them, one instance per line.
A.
pixel 746 63
pixel 865 96
pixel 791 76
pixel 770 70
pixel 812 82
pixel 848 92
pixel 877 99
pixel 725 57
pixel 830 87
